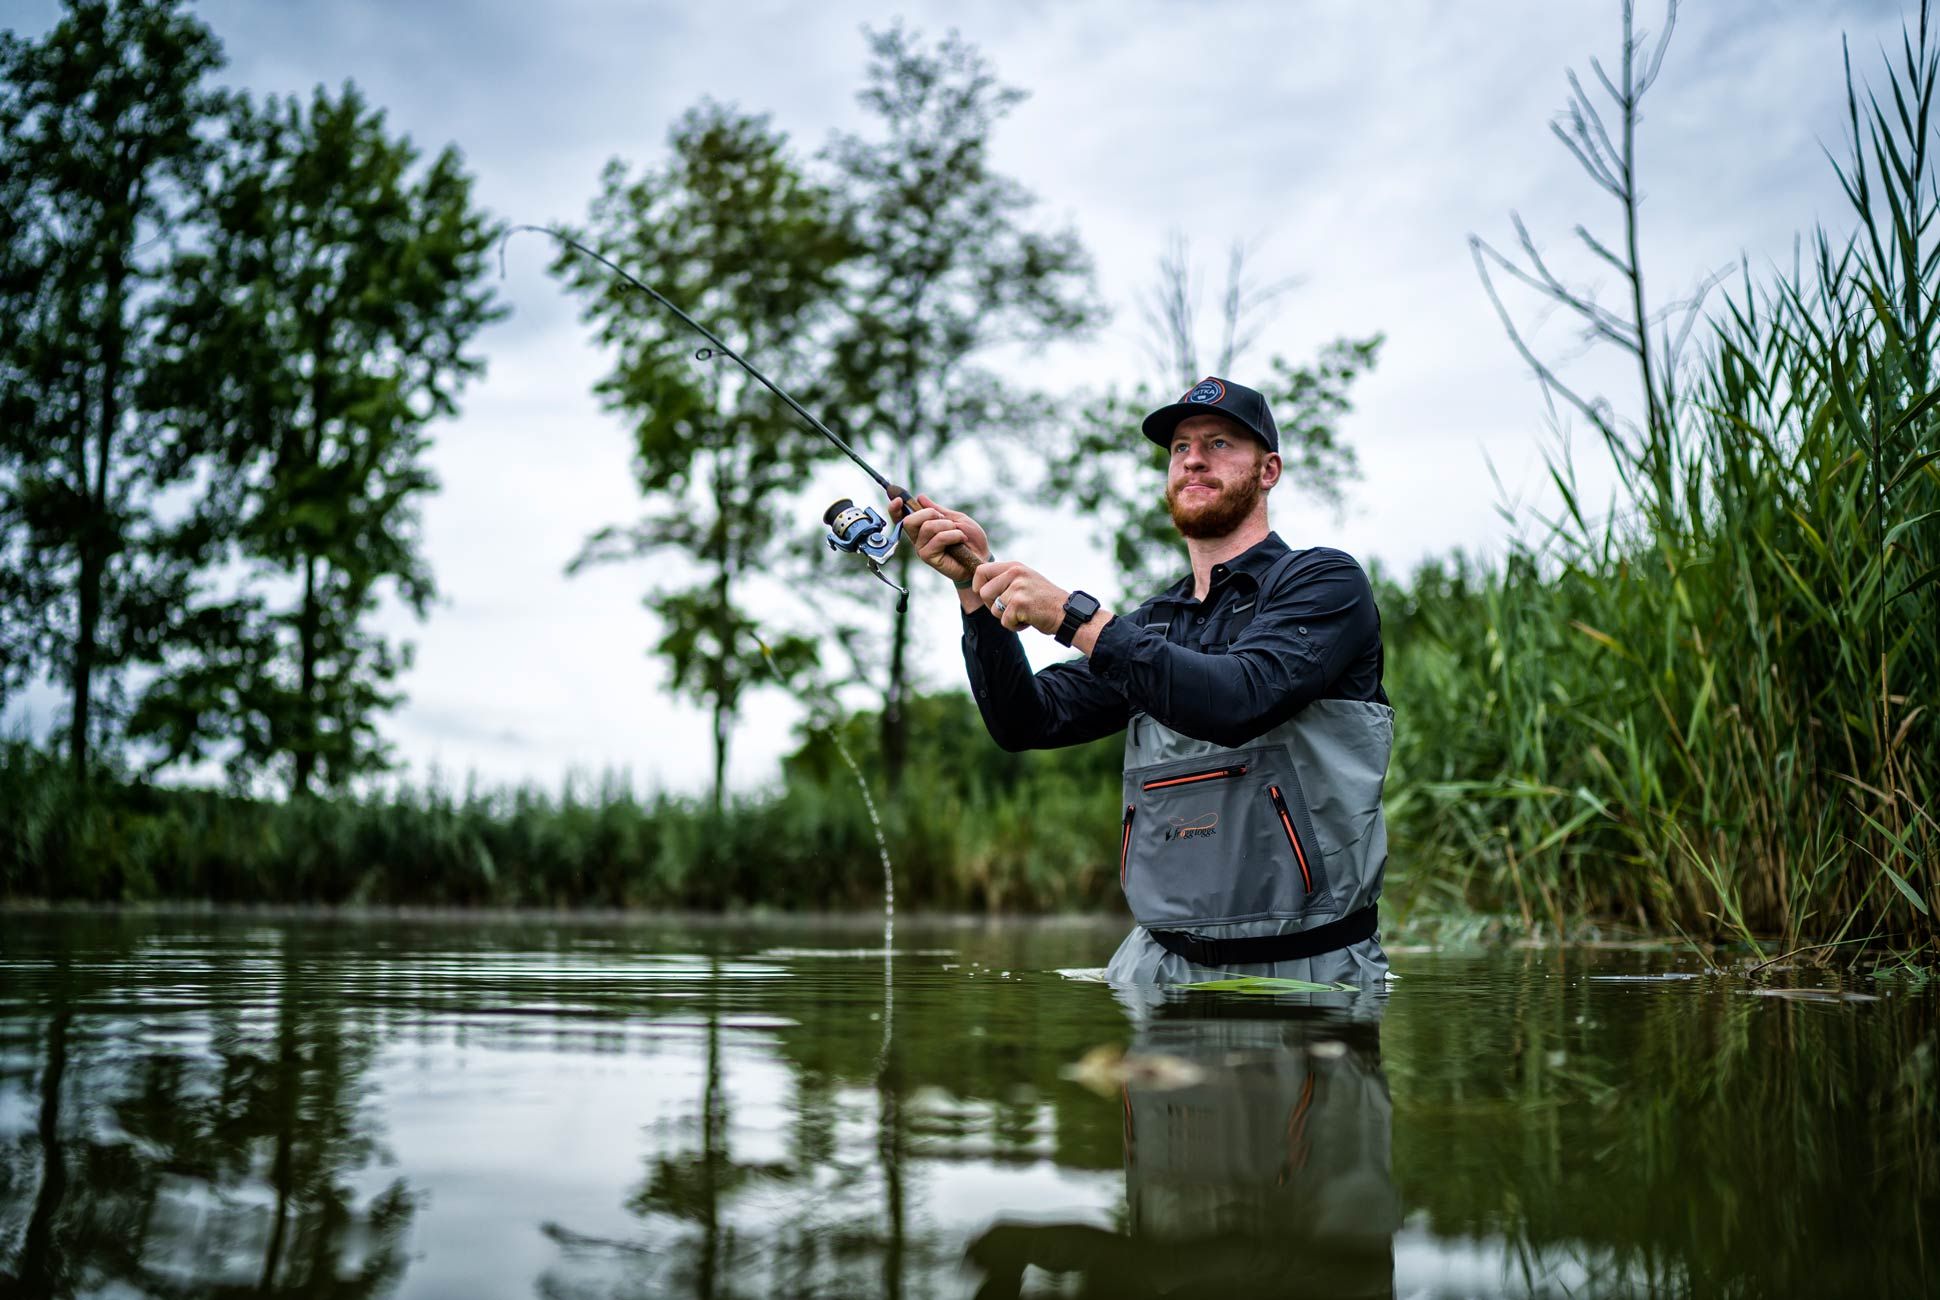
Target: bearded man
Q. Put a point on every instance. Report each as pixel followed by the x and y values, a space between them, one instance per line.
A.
pixel 1256 731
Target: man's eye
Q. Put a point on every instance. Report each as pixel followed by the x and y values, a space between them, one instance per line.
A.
pixel 1219 443
pixel 1178 447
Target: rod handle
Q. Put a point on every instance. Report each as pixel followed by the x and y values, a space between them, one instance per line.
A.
pixel 956 550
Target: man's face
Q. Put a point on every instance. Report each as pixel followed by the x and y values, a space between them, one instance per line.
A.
pixel 1217 474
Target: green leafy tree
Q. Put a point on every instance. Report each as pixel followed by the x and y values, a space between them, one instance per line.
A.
pixel 733 230
pixel 314 338
pixel 101 131
pixel 1110 473
pixel 951 271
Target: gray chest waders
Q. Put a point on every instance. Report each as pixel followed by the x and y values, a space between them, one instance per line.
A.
pixel 1287 828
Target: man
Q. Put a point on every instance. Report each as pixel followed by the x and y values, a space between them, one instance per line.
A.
pixel 1256 731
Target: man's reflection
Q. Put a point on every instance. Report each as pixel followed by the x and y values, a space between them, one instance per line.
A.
pixel 1257 1136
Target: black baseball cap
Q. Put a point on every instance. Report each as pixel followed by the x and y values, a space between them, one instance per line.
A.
pixel 1215 396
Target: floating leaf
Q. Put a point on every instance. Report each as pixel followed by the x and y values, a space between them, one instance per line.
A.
pixel 1267 984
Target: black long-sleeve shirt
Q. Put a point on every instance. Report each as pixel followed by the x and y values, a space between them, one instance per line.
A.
pixel 1224 669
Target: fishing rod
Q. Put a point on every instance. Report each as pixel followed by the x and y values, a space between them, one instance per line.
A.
pixel 852 529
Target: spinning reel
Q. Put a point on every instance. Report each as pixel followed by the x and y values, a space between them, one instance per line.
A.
pixel 861 530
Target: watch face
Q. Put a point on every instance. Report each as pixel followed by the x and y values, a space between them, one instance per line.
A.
pixel 1082 603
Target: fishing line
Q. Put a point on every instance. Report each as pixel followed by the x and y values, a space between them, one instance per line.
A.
pixel 706 353
pixel 852 529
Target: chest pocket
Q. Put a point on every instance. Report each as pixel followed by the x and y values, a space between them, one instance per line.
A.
pixel 1226 627
pixel 1231 622
pixel 1220 837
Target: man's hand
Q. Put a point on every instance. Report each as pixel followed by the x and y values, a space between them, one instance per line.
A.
pixel 1029 598
pixel 934 530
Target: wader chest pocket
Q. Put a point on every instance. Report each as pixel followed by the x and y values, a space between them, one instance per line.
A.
pixel 1221 837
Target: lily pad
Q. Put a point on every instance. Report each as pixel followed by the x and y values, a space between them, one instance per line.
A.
pixel 1267 984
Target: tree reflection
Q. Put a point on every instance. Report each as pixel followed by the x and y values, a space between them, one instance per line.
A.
pixel 40 1268
pixel 211 1150
pixel 691 1187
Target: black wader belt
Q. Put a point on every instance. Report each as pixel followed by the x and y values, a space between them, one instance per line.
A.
pixel 1249 950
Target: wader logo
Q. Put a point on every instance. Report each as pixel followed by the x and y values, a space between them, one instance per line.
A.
pixel 1205 391
pixel 1204 826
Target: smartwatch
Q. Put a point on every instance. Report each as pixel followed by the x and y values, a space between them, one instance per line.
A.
pixel 1078 610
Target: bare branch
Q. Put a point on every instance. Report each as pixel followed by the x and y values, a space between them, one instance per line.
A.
pixel 1663 43
pixel 1588 159
pixel 1168 311
pixel 1693 309
pixel 1481 251
pixel 1606 148
pixel 1602 321
pixel 1596 246
pixel 1596 66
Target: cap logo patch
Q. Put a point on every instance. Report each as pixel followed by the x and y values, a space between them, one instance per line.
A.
pixel 1206 391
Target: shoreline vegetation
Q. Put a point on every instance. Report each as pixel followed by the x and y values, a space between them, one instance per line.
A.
pixel 1704 706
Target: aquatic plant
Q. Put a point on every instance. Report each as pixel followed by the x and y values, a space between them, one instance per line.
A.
pixel 1712 706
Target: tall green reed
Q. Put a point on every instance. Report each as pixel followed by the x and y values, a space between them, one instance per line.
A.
pixel 1713 706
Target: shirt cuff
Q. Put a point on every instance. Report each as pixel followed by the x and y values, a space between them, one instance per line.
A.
pixel 1111 654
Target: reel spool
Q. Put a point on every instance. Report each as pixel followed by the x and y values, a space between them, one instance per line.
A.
pixel 861 530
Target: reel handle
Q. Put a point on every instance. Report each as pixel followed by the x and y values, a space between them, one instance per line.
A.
pixel 956 550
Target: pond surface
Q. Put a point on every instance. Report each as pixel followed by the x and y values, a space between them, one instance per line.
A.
pixel 199 1105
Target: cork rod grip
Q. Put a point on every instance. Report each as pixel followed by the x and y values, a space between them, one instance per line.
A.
pixel 956 550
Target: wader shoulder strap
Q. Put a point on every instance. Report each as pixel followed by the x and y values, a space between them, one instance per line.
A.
pixel 1255 949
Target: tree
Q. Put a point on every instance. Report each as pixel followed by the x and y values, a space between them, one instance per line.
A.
pixel 312 341
pixel 951 271
pixel 732 230
pixel 1109 472
pixel 101 132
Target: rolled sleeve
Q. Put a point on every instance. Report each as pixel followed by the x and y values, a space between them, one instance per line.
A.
pixel 1066 704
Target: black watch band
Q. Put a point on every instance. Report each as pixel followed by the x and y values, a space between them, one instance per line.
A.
pixel 1079 608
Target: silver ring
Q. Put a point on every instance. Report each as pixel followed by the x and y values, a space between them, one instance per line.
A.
pixel 997 606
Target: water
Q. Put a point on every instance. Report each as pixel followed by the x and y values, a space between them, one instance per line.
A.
pixel 198 1106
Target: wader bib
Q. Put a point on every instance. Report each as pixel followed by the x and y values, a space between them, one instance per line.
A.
pixel 1261 860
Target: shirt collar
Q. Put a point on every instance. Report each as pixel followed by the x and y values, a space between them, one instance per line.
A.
pixel 1253 562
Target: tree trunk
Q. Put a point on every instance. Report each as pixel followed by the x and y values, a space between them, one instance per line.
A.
pixel 895 738
pixel 720 756
pixel 309 617
pixel 95 529
pixel 306 736
pixel 89 611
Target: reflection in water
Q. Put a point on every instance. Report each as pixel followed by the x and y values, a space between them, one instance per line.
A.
pixel 1263 1172
pixel 217 1106
pixel 206 1149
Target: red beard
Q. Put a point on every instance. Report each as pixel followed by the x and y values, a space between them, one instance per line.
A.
pixel 1202 517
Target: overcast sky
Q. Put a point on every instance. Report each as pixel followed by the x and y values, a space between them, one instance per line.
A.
pixel 1360 143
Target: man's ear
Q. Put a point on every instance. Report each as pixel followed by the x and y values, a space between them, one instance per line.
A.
pixel 1269 470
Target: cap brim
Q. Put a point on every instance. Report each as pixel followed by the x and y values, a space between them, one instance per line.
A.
pixel 1159 425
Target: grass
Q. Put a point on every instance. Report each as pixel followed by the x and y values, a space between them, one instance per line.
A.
pixel 994 832
pixel 1711 706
